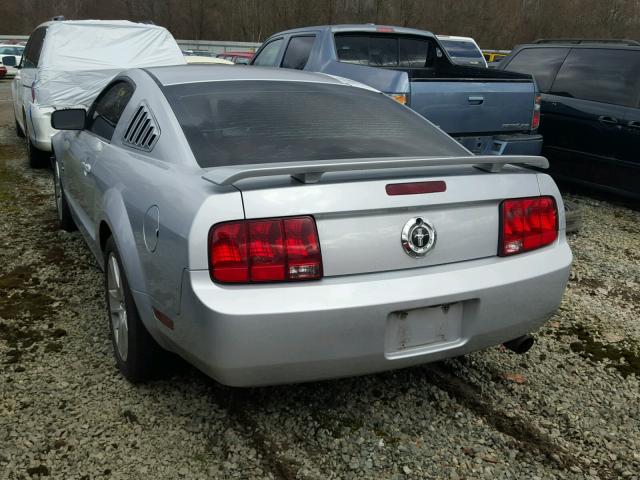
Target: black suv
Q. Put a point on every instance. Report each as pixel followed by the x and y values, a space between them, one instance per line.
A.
pixel 590 109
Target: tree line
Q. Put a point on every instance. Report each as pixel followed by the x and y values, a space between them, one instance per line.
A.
pixel 493 23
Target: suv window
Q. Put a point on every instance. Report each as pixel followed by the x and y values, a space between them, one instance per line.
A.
pixel 298 51
pixel 34 47
pixel 605 75
pixel 542 63
pixel 107 109
pixel 269 54
pixel 383 50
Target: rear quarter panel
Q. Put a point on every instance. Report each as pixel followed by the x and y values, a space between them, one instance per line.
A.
pixel 133 183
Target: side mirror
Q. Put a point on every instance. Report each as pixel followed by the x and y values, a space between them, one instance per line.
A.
pixel 9 61
pixel 70 119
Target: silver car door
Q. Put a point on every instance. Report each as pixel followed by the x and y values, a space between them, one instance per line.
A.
pixel 73 148
pixel 95 141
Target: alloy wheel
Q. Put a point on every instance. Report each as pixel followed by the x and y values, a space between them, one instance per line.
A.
pixel 117 307
pixel 57 186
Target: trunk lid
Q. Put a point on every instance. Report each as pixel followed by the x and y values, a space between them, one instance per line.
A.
pixel 360 225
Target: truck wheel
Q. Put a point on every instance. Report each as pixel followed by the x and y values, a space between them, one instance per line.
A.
pixel 19 131
pixel 62 207
pixel 573 216
pixel 37 158
pixel 137 353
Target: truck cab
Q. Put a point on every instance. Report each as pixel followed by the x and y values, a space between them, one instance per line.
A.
pixel 489 112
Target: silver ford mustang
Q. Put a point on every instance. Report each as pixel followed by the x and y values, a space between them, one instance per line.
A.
pixel 275 226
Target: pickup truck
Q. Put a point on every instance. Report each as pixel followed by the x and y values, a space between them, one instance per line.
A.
pixel 489 112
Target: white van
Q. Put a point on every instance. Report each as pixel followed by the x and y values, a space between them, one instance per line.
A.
pixel 66 63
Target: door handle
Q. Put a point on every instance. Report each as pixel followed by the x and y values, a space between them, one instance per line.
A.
pixel 633 124
pixel 86 167
pixel 475 100
pixel 608 120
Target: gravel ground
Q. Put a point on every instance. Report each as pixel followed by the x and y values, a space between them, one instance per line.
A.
pixel 567 409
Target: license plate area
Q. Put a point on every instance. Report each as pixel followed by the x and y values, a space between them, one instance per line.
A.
pixel 423 329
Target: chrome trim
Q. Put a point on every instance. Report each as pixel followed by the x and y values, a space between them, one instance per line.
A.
pixel 406 237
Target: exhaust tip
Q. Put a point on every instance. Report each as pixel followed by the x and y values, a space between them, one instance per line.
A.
pixel 521 344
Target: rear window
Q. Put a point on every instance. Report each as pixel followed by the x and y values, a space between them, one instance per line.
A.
pixel 244 122
pixel 384 50
pixel 601 75
pixel 461 49
pixel 542 63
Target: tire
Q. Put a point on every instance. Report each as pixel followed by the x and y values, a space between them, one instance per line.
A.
pixel 137 353
pixel 62 207
pixel 19 131
pixel 573 216
pixel 37 158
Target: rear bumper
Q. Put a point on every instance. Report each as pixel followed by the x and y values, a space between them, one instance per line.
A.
pixel 513 144
pixel 343 326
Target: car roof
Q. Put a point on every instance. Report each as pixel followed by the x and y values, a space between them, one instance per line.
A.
pixel 181 74
pixel 100 23
pixel 365 27
pixel 456 38
pixel 237 53
pixel 569 44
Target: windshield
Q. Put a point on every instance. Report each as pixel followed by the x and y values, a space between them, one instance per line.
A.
pixel 245 122
pixel 461 49
pixel 11 50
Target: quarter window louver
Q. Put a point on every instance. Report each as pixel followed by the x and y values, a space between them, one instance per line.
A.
pixel 142 131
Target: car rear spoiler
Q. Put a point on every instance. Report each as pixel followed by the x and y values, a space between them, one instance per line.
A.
pixel 310 172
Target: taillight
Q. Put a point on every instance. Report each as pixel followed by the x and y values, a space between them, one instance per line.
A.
pixel 527 224
pixel 401 98
pixel 535 120
pixel 269 250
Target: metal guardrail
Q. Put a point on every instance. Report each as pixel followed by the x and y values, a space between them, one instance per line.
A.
pixel 14 37
pixel 211 46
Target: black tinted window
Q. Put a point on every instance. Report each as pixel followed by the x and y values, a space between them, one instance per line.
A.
pixel 298 52
pixel 413 52
pixel 269 54
pixel 382 50
pixel 236 123
pixel 353 49
pixel 600 74
pixel 542 63
pixel 34 47
pixel 107 109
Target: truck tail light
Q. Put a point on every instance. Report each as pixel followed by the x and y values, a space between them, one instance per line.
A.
pixel 527 224
pixel 535 120
pixel 269 250
pixel 401 98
